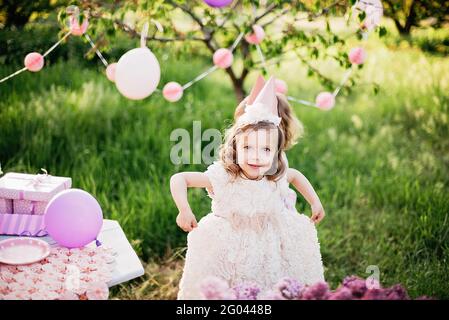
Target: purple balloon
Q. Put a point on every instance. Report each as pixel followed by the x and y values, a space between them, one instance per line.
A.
pixel 218 3
pixel 73 218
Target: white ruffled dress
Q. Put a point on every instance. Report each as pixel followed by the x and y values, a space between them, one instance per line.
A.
pixel 251 235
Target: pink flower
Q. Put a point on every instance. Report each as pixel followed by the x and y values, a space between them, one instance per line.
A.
pixel 356 285
pixel 289 288
pixel 396 292
pixel 318 291
pixel 246 291
pixel 342 293
pixel 213 288
pixel 374 294
pixel 357 55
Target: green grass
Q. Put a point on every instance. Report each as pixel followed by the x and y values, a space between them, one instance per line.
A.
pixel 379 163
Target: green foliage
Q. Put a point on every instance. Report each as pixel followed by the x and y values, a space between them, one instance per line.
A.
pixel 379 163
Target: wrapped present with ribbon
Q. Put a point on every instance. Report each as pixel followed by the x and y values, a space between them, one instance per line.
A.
pixel 40 187
pixel 30 195
pixel 6 206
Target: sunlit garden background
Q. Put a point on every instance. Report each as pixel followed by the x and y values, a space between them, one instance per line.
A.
pixel 378 160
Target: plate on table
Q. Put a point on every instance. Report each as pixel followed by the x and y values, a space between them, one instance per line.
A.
pixel 18 251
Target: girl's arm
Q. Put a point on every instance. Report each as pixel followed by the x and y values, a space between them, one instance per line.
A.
pixel 305 188
pixel 179 183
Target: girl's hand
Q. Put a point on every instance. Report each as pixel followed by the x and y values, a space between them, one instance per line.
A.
pixel 186 221
pixel 317 213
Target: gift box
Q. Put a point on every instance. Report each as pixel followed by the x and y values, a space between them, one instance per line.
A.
pixel 22 225
pixel 6 206
pixel 28 196
pixel 29 207
pixel 41 187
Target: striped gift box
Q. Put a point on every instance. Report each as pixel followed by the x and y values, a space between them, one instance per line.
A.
pixel 5 205
pixel 29 207
pixel 22 225
pixel 29 194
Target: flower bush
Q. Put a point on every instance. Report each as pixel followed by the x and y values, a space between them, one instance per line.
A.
pixel 351 288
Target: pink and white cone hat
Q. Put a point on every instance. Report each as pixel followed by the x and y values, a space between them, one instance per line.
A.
pixel 262 107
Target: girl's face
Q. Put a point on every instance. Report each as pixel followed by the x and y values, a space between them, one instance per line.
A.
pixel 256 151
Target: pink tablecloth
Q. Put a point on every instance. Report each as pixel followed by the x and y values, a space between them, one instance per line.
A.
pixel 65 274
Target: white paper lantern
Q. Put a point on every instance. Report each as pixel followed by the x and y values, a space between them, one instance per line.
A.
pixel 137 73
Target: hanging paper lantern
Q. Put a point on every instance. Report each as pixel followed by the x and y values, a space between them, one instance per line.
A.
pixel 281 86
pixel 137 73
pixel 75 28
pixel 218 3
pixel 373 10
pixel 34 61
pixel 325 101
pixel 357 55
pixel 110 71
pixel 223 58
pixel 256 36
pixel 172 91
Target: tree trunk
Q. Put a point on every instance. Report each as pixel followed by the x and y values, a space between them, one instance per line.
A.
pixel 240 93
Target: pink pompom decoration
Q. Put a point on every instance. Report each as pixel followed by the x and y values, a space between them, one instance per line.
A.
pixel 357 55
pixel 34 61
pixel 325 100
pixel 172 91
pixel 75 28
pixel 110 71
pixel 223 58
pixel 257 36
pixel 281 86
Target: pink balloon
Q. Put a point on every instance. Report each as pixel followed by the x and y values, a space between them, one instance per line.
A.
pixel 281 86
pixel 110 71
pixel 34 61
pixel 75 28
pixel 357 55
pixel 325 100
pixel 223 58
pixel 73 218
pixel 257 36
pixel 172 91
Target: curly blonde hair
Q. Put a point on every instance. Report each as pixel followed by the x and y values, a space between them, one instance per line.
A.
pixel 291 126
pixel 228 150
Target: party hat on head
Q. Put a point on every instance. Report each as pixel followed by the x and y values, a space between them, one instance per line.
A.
pixel 258 85
pixel 262 104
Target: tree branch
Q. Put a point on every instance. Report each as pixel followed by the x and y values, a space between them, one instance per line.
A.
pixel 136 34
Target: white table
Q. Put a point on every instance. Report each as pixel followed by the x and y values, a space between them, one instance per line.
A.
pixel 128 265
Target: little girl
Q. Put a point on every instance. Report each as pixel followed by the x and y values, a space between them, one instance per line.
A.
pixel 249 236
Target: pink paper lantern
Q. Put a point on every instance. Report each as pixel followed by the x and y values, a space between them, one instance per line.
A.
pixel 223 58
pixel 34 61
pixel 325 101
pixel 218 3
pixel 75 28
pixel 110 71
pixel 257 36
pixel 172 91
pixel 357 55
pixel 281 86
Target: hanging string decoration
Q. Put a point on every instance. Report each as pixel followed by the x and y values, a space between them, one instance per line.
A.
pixel 137 72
